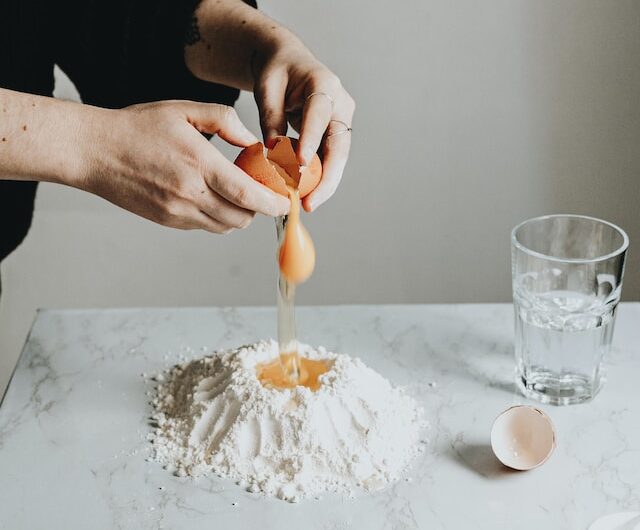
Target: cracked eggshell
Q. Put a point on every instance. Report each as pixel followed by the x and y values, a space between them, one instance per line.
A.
pixel 280 167
pixel 253 162
pixel 523 437
pixel 283 154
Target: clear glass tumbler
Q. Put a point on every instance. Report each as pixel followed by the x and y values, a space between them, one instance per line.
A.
pixel 567 278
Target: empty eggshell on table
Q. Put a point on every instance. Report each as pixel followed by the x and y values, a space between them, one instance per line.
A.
pixel 617 521
pixel 523 437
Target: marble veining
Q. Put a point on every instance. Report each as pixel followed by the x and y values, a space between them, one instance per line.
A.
pixel 74 422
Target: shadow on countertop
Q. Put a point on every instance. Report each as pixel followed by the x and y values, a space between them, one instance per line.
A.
pixel 480 459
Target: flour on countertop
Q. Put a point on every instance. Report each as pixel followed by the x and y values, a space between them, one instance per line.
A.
pixel 214 416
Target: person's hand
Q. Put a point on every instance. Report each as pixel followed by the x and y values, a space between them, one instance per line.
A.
pixel 290 85
pixel 233 44
pixel 152 160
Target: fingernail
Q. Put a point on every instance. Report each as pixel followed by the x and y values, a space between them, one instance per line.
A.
pixel 270 138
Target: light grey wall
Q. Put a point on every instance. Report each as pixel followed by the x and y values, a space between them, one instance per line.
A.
pixel 472 115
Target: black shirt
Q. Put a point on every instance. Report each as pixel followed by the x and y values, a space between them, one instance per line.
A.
pixel 117 53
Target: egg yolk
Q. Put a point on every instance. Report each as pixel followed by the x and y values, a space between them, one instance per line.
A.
pixel 277 373
pixel 297 255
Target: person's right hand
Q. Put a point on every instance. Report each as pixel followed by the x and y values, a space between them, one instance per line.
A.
pixel 152 160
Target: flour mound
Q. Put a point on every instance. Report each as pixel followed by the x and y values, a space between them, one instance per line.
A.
pixel 214 416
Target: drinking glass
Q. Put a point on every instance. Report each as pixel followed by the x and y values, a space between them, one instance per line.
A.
pixel 567 278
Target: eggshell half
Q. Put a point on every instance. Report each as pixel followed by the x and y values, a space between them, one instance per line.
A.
pixel 523 437
pixel 617 521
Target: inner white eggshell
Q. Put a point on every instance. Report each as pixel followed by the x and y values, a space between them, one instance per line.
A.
pixel 617 521
pixel 523 437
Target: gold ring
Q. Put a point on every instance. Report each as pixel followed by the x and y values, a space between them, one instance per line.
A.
pixel 346 129
pixel 320 94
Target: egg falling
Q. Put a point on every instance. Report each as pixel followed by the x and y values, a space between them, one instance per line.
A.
pixel 281 172
pixel 297 255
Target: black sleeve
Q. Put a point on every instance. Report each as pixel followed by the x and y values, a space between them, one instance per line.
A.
pixel 117 52
pixel 120 52
pixel 26 61
pixel 26 65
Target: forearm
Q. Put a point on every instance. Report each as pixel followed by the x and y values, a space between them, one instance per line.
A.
pixel 228 37
pixel 40 137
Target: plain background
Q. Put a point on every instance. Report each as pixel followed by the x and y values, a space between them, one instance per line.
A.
pixel 472 116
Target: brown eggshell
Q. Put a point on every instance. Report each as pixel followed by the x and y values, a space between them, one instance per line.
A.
pixel 253 162
pixel 283 153
pixel 280 168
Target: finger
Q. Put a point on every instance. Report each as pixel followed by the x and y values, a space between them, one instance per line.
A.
pixel 222 210
pixel 221 120
pixel 315 118
pixel 200 220
pixel 229 181
pixel 270 98
pixel 295 120
pixel 335 155
pixel 190 217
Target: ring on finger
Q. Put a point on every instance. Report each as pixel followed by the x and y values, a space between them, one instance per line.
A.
pixel 346 129
pixel 321 94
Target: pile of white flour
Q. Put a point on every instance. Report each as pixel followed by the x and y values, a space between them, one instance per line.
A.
pixel 214 416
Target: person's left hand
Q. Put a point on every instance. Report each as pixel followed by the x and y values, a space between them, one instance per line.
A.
pixel 291 85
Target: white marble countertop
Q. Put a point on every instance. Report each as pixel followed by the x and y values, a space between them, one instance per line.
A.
pixel 73 424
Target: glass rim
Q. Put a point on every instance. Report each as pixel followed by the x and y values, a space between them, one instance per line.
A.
pixel 622 248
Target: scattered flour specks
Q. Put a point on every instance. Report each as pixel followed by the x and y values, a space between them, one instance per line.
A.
pixel 214 416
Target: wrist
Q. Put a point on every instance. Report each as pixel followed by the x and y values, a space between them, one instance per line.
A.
pixel 284 50
pixel 228 42
pixel 87 134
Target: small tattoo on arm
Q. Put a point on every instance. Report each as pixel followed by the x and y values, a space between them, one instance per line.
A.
pixel 193 32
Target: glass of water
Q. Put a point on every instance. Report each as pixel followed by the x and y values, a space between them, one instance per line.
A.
pixel 567 279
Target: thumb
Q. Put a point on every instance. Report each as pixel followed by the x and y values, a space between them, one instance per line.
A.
pixel 222 120
pixel 269 94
